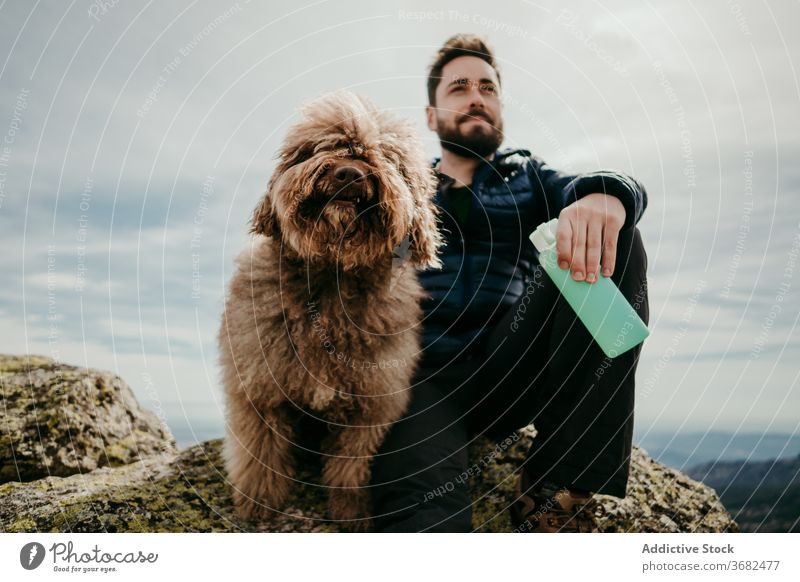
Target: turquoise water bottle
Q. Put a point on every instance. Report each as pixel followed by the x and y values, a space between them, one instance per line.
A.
pixel 613 323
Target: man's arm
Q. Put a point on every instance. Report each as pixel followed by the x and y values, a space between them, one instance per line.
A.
pixel 592 209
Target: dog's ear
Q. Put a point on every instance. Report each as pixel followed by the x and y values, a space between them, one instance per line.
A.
pixel 264 220
pixel 402 146
pixel 425 238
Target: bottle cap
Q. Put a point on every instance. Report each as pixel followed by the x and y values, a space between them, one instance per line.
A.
pixel 544 237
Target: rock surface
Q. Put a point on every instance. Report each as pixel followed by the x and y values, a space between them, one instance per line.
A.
pixel 59 420
pixel 162 490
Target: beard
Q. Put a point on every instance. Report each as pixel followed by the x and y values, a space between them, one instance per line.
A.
pixel 477 141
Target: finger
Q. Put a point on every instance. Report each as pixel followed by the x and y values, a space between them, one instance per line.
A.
pixel 610 250
pixel 564 242
pixel 594 248
pixel 578 263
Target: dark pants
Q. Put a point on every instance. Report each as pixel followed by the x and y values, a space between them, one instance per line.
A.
pixel 540 365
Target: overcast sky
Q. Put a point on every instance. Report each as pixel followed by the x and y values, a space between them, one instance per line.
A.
pixel 137 138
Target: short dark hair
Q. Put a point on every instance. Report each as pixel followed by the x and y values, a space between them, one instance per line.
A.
pixel 460 45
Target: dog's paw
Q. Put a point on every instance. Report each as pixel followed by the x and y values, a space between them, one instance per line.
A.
pixel 350 508
pixel 253 510
pixel 363 525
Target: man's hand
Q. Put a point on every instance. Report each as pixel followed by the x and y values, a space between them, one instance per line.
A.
pixel 587 230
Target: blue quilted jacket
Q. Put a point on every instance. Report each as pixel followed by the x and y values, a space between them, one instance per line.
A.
pixel 488 262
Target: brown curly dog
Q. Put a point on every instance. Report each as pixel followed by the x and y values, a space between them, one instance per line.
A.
pixel 322 315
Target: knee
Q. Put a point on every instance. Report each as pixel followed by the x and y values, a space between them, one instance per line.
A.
pixel 631 259
pixel 630 272
pixel 630 243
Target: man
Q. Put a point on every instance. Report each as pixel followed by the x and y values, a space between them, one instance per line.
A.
pixel 502 348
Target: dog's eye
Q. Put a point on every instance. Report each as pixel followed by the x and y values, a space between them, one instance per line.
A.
pixel 391 157
pixel 303 155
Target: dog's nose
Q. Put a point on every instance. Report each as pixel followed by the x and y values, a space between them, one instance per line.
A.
pixel 347 174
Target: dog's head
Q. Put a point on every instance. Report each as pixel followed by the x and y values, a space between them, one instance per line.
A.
pixel 351 186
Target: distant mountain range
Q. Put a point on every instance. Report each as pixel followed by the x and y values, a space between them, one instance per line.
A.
pixel 757 476
pixel 687 449
pixel 762 496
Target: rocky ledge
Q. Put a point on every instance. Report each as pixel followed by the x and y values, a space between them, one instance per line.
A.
pixel 78 454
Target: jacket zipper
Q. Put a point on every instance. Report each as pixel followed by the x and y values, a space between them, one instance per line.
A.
pixel 467 273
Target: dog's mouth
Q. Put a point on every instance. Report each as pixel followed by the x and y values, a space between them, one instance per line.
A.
pixel 354 200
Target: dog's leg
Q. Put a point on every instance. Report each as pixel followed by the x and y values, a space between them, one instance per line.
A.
pixel 258 457
pixel 347 472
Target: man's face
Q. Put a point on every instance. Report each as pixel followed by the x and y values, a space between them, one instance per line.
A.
pixel 467 116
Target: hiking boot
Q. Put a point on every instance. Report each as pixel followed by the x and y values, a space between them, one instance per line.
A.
pixel 549 509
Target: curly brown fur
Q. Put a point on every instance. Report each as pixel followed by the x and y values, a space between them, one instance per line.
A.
pixel 320 319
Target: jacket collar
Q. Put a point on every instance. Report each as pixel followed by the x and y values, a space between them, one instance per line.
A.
pixel 499 156
pixel 499 159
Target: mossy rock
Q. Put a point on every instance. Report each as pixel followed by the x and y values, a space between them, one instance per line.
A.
pixel 61 420
pixel 187 492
